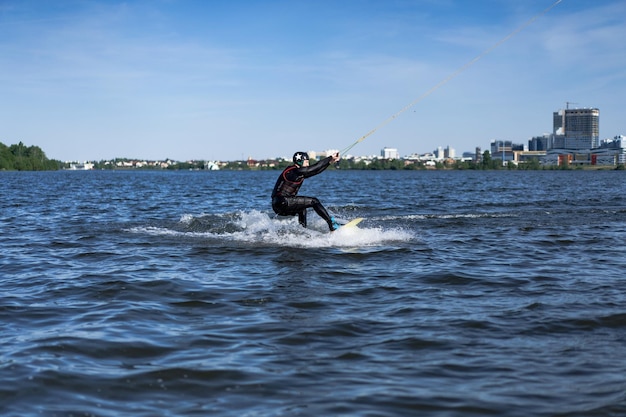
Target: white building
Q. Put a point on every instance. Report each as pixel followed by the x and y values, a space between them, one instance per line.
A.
pixel 81 166
pixel 389 153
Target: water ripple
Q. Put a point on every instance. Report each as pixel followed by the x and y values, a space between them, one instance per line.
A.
pixel 466 294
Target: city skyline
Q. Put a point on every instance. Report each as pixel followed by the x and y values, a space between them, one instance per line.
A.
pixel 383 152
pixel 182 80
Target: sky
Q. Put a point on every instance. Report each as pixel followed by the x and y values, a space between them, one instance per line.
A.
pixel 90 80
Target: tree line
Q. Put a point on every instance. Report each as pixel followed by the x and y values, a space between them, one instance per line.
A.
pixel 25 158
pixel 31 158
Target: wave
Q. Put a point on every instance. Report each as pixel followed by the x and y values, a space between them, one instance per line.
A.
pixel 259 228
pixel 449 216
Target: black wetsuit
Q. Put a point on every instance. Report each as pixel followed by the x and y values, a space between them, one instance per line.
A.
pixel 285 200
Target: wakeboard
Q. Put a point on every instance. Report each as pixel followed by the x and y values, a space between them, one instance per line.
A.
pixel 353 223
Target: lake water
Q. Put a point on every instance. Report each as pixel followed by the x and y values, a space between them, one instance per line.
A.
pixel 462 293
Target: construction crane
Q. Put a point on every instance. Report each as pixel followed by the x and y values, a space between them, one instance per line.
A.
pixel 567 103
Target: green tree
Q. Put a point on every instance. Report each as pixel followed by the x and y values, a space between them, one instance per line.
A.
pixel 532 164
pixel 489 162
pixel 6 158
pixel 25 158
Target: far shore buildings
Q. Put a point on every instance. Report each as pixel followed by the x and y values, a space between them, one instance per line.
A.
pixel 575 140
pixel 389 153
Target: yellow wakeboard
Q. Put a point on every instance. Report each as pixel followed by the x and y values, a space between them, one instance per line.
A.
pixel 353 223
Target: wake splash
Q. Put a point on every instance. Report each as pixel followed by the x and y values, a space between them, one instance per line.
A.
pixel 259 228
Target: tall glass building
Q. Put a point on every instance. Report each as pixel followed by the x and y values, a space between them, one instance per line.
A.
pixel 576 129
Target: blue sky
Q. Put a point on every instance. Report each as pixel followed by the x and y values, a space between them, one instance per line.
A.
pixel 228 79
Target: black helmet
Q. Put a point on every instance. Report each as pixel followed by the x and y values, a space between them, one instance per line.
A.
pixel 300 157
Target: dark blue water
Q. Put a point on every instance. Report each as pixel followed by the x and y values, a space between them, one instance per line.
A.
pixel 177 293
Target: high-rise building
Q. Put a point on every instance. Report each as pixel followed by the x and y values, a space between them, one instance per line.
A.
pixel 576 128
pixel 449 152
pixel 478 156
pixel 390 153
pixel 539 143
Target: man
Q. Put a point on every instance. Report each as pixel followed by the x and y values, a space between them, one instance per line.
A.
pixel 285 200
